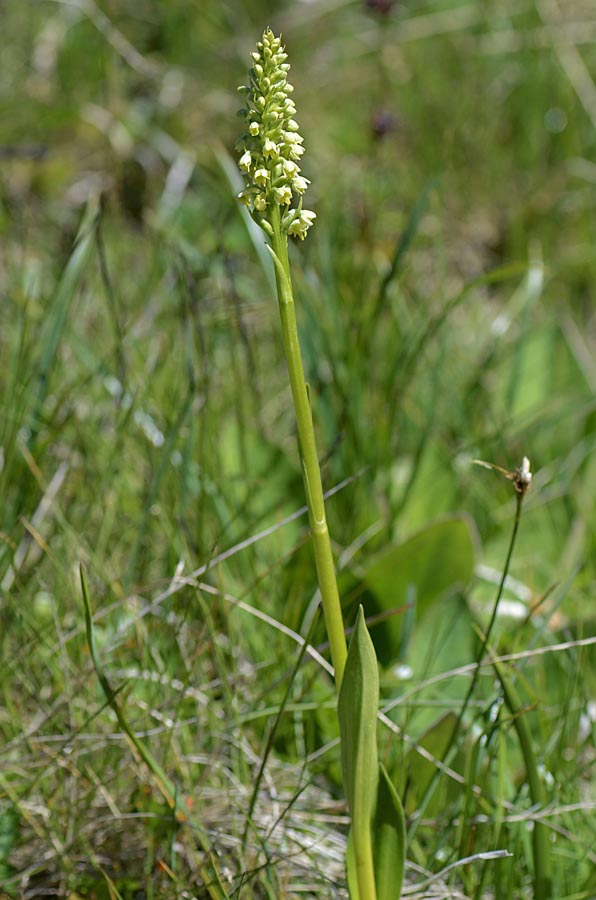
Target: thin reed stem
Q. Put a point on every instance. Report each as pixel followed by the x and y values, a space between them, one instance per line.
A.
pixel 519 497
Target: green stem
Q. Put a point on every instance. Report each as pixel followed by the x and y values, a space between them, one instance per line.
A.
pixel 363 862
pixel 540 835
pixel 450 748
pixel 308 453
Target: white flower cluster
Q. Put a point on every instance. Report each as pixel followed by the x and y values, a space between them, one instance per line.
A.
pixel 271 147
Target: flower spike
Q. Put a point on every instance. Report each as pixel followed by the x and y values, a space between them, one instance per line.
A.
pixel 272 145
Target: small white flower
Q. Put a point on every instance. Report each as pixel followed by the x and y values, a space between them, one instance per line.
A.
pixel 300 184
pixel 245 161
pixel 290 137
pixel 297 230
pixel 261 177
pixel 283 195
pixel 270 148
pixel 254 128
pixel 290 168
pixel 300 225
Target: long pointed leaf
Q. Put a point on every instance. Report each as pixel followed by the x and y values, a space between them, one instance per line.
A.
pixel 389 840
pixel 357 712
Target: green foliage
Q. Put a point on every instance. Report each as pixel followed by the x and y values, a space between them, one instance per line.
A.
pixel 357 711
pixel 406 581
pixel 418 771
pixel 445 309
pixel 377 840
pixel 389 840
pixel 9 831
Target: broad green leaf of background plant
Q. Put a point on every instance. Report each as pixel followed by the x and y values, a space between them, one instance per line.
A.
pixel 442 640
pixel 421 570
pixel 420 771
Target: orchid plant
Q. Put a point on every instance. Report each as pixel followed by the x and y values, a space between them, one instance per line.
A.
pixel 271 149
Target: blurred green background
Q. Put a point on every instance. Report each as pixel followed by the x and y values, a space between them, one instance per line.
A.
pixel 446 305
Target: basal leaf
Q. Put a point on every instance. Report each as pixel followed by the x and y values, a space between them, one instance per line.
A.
pixel 357 712
pixel 389 840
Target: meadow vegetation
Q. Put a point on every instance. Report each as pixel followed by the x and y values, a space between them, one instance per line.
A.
pixel 445 298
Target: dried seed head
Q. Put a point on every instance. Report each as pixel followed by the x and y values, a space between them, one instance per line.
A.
pixel 523 476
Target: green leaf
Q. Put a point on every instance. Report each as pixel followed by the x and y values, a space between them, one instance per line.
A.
pixel 442 640
pixel 9 832
pixel 389 840
pixel 58 310
pixel 352 879
pixel 357 712
pixel 425 567
pixel 420 771
pixel 280 271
